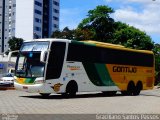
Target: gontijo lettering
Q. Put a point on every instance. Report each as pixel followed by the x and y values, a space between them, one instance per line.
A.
pixel 124 69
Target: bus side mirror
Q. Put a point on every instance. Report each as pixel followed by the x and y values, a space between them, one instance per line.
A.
pixel 10 54
pixel 43 56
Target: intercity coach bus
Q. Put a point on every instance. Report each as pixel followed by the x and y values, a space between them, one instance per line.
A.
pixel 64 66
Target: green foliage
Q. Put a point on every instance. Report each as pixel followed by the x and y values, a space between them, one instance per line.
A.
pixel 93 15
pixel 56 34
pixel 15 43
pixel 99 23
pixel 99 26
pixel 84 34
pixel 156 51
pixel 66 33
pixel 131 37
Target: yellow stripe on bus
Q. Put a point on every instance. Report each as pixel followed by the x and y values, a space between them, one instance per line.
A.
pixel 122 74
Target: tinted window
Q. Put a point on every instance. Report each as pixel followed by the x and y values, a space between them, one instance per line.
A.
pixel 88 53
pixel 55 62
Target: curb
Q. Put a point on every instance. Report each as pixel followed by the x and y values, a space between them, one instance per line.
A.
pixel 7 88
pixel 156 87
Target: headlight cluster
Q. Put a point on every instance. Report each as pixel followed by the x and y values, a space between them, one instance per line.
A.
pixel 39 81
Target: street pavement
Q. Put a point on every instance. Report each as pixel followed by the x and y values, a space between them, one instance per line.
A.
pixel 18 103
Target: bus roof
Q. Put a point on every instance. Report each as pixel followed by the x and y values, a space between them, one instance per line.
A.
pixel 48 39
pixel 95 43
pixel 114 46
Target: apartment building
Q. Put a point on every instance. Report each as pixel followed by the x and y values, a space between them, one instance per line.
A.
pixel 27 19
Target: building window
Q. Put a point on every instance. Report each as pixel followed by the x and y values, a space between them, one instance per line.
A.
pixel 14 5
pixel 55 26
pixel 13 29
pixel 37 28
pixel 13 21
pixel 36 36
pixel 56 11
pixel 55 18
pixel 38 12
pixel 56 3
pixel 38 20
pixel 38 3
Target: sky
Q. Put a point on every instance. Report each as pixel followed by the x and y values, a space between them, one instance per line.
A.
pixel 142 14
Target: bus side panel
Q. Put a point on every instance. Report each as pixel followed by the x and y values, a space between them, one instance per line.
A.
pixel 98 74
pixel 119 75
pixel 123 74
pixel 89 77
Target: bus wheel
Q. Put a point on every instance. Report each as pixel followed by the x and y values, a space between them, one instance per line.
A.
pixel 45 94
pixel 138 88
pixel 71 88
pixel 131 88
pixel 109 93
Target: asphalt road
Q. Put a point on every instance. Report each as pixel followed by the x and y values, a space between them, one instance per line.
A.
pixel 17 102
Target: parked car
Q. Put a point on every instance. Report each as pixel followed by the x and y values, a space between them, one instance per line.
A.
pixel 7 80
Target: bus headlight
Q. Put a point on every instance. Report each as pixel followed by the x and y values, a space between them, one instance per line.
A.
pixel 39 81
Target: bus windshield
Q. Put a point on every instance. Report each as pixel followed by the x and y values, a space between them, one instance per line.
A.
pixel 29 65
pixel 35 46
pixel 28 61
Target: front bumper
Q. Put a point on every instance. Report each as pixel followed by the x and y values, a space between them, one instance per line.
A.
pixel 33 88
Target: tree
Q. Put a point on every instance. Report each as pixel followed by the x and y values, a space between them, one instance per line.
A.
pixel 105 29
pixel 84 34
pixel 100 23
pixel 100 26
pixel 156 51
pixel 56 34
pixel 131 37
pixel 66 33
pixel 15 43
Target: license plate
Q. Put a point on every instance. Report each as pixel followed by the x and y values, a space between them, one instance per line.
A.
pixel 25 87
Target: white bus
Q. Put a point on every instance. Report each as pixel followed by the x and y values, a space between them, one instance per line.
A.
pixel 64 66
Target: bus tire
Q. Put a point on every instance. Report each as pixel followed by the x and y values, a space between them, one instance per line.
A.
pixel 131 88
pixel 138 88
pixel 45 94
pixel 71 88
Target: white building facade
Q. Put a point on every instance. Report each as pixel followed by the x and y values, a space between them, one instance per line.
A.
pixel 27 19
